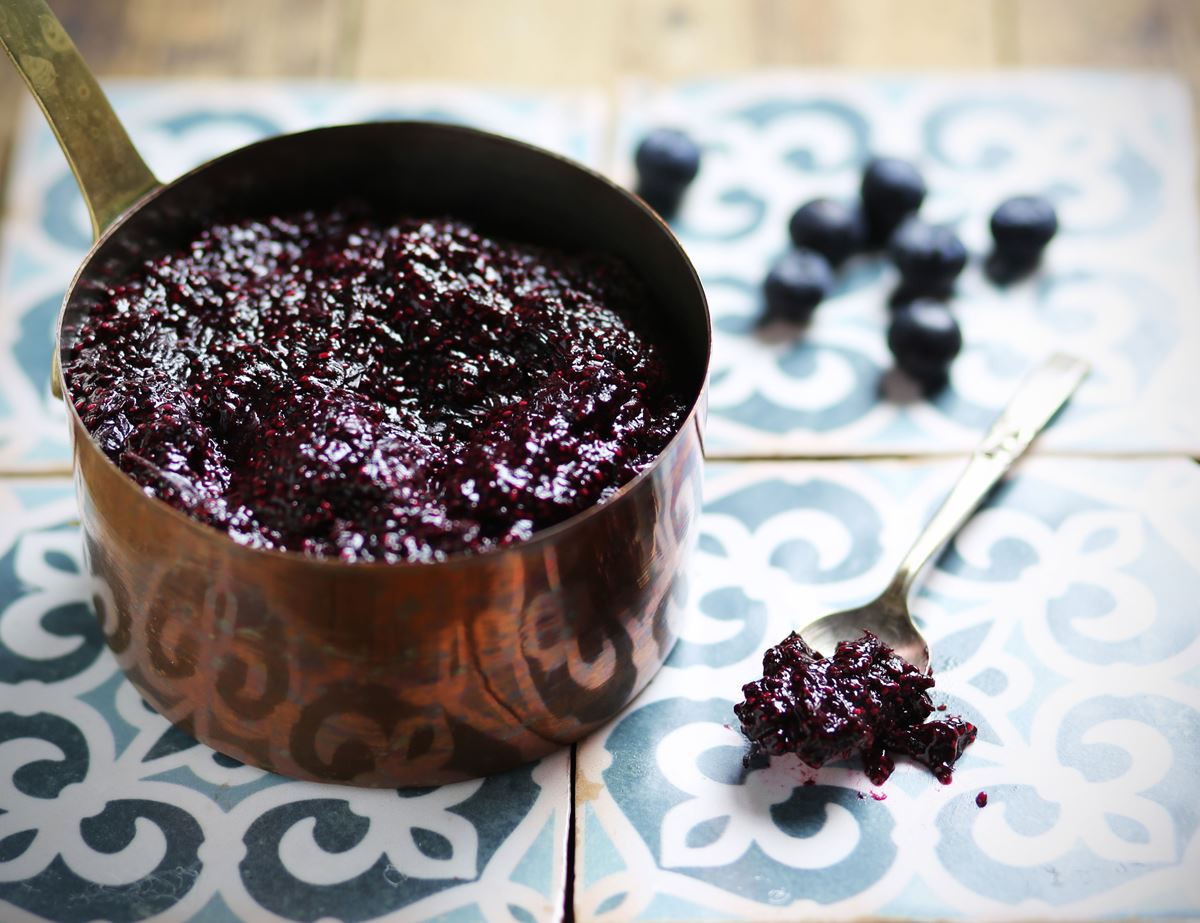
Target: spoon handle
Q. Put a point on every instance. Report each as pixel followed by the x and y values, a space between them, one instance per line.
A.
pixel 1031 408
pixel 111 174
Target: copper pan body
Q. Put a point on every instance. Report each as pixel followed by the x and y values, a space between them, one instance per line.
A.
pixel 411 674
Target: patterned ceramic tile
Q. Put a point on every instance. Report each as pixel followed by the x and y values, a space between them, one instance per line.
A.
pixel 176 126
pixel 1119 285
pixel 107 812
pixel 1063 622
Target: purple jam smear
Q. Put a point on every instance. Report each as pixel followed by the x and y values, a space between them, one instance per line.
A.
pixel 864 699
pixel 341 386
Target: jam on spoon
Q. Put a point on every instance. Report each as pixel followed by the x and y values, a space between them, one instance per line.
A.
pixel 345 386
pixel 871 695
pixel 862 699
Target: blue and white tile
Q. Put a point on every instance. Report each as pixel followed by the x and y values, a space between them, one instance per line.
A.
pixel 1063 622
pixel 176 126
pixel 107 812
pixel 1119 286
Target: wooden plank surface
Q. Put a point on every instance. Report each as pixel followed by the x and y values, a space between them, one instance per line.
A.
pixel 585 42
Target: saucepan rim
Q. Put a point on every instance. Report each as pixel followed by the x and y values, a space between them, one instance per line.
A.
pixel 548 535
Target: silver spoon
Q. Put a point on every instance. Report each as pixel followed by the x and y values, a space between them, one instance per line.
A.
pixel 887 617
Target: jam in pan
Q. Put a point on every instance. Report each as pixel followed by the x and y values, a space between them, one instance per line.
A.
pixel 863 699
pixel 374 390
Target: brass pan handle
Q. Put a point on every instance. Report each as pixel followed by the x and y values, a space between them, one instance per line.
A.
pixel 111 174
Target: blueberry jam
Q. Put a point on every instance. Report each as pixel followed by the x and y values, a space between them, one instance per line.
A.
pixel 864 699
pixel 371 390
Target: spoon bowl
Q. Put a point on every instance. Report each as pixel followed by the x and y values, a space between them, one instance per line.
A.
pixel 886 617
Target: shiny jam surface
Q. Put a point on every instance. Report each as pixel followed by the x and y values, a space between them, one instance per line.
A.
pixel 348 387
pixel 863 699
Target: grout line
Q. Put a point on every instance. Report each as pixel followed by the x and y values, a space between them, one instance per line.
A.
pixel 945 456
pixel 349 40
pixel 1005 34
pixel 13 474
pixel 34 474
pixel 568 909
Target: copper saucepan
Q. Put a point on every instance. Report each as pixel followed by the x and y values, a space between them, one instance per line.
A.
pixel 374 674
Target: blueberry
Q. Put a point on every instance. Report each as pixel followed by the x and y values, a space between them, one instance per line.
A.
pixel 834 229
pixel 667 161
pixel 796 284
pixel 1006 268
pixel 904 295
pixel 1022 226
pixel 892 189
pixel 924 338
pixel 929 256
